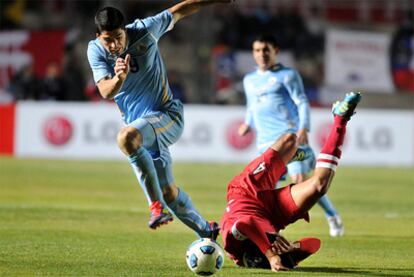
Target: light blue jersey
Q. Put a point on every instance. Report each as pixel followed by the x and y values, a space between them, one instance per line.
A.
pixel 145 100
pixel 276 104
pixel 146 88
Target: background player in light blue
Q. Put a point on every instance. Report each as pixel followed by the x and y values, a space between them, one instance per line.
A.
pixel 276 105
pixel 128 68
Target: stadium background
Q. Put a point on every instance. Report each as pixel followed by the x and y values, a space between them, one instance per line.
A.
pixel 336 46
pixel 51 111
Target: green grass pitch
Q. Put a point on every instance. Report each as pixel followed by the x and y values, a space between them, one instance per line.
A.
pixel 78 218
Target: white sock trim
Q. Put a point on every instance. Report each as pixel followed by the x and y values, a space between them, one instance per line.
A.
pixel 328 157
pixel 326 165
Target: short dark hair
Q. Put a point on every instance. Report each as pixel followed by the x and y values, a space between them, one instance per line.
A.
pixel 267 38
pixel 108 19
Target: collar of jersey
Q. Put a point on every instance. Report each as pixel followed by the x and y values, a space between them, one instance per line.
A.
pixel 274 67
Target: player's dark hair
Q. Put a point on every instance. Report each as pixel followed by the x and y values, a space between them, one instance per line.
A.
pixel 108 19
pixel 267 38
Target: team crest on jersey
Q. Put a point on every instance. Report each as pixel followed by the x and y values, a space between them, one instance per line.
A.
pixel 260 168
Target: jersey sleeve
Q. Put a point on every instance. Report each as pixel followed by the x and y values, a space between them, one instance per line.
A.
pixel 294 86
pixel 159 24
pixel 99 66
pixel 252 229
pixel 248 120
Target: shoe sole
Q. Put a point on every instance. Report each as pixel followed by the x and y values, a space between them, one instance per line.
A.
pixel 161 221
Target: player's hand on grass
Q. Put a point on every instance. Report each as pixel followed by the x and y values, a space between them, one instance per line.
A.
pixel 275 261
pixel 243 129
pixel 122 67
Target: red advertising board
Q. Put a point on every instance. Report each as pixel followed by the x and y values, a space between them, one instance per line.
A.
pixel 7 114
pixel 20 48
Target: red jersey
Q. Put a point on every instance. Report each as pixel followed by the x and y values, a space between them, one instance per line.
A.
pixel 255 208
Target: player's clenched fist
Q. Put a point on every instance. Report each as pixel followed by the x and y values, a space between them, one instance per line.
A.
pixel 122 67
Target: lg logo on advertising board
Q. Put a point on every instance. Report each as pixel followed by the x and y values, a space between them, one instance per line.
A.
pixel 58 130
pixel 235 140
pixel 379 138
pixel 105 132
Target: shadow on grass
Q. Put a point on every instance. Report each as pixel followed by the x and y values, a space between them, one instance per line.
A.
pixel 358 271
pixel 324 271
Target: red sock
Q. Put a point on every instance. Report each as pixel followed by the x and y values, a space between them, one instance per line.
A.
pixel 331 151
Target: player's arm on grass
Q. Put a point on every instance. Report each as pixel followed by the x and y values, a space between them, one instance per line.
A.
pixel 279 247
pixel 294 86
pixel 188 7
pixel 109 86
pixel 251 229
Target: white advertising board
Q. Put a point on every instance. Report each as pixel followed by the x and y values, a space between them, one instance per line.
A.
pixel 374 137
pixel 210 134
pixel 356 60
pixel 88 131
pixel 67 130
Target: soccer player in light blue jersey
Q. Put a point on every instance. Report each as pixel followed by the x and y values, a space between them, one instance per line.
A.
pixel 276 105
pixel 127 67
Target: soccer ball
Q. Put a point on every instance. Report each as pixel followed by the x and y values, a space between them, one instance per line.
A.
pixel 205 257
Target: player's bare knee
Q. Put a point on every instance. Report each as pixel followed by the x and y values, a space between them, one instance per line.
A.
pixel 129 140
pixel 321 184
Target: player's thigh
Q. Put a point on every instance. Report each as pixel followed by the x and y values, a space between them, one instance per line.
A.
pixel 281 206
pixel 306 194
pixel 159 130
pixel 168 127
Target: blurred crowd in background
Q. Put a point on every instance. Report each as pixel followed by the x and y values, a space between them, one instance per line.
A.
pixel 43 46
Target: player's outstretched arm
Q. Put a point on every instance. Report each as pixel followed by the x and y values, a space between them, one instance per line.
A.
pixel 188 7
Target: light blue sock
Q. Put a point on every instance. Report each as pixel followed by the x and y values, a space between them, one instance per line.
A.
pixel 144 169
pixel 183 208
pixel 327 206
